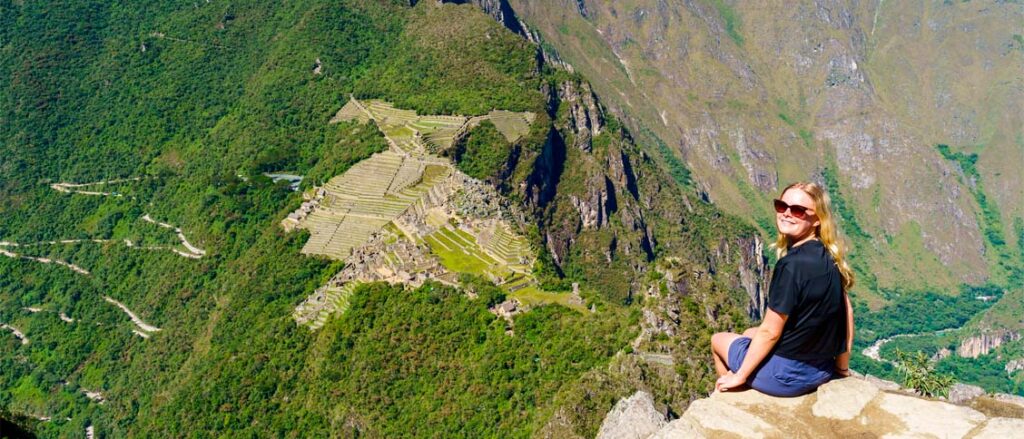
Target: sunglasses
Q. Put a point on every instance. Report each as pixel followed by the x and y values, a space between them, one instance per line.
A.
pixel 798 211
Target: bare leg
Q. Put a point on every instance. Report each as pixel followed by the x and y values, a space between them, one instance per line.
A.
pixel 720 343
pixel 749 333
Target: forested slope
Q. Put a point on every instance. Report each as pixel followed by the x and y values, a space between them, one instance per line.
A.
pixel 192 103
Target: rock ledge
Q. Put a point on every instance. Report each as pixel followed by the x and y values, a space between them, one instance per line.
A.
pixel 850 407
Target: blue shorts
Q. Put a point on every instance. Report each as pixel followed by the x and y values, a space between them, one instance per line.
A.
pixel 780 376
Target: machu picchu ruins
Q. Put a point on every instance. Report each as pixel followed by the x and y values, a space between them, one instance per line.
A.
pixel 407 215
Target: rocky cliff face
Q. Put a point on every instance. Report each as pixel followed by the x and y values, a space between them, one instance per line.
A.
pixel 978 345
pixel 497 9
pixel 860 93
pixel 849 407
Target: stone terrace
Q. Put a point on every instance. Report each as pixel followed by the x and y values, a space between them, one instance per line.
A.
pixel 361 201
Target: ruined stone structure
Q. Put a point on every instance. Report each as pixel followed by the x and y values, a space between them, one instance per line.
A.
pixel 377 215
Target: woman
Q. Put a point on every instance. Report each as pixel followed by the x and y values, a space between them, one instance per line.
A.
pixel 807 331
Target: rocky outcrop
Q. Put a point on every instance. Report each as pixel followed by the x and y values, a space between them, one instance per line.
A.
pixel 961 393
pixel 604 190
pixel 753 271
pixel 497 9
pixel 752 96
pixel 850 407
pixel 976 346
pixel 585 116
pixel 596 205
pixel 632 418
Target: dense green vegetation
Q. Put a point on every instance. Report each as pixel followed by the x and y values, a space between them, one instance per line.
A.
pixel 987 371
pixel 199 100
pixel 679 172
pixel 351 143
pixel 392 348
pixel 483 153
pixel 469 64
pixel 937 322
pixel 916 312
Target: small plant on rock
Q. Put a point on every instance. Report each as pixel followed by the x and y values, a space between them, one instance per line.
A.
pixel 919 374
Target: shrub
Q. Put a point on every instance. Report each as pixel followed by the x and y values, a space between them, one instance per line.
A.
pixel 919 374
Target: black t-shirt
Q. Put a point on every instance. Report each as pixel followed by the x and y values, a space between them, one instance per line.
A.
pixel 807 287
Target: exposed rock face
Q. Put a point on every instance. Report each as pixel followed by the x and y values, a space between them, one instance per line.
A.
pixel 606 183
pixel 849 407
pixel 632 418
pixel 973 347
pixel 961 393
pixel 754 275
pixel 497 9
pixel 755 96
pixel 585 116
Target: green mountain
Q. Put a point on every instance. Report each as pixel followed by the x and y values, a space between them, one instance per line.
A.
pixel 388 218
pixel 856 95
pixel 909 112
pixel 149 287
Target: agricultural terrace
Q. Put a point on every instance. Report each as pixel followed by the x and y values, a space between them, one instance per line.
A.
pixel 326 300
pixel 402 196
pixel 512 125
pixel 459 252
pixel 412 134
pixel 533 296
pixel 364 199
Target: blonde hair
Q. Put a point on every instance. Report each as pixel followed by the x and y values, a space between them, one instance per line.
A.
pixel 827 231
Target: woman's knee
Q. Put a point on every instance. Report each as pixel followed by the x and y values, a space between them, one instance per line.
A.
pixel 721 341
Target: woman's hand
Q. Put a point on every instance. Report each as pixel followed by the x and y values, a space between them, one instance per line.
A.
pixel 730 382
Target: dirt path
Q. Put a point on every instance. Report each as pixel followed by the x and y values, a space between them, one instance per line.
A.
pixel 71 188
pixel 163 36
pixel 17 333
pixel 192 254
pixel 145 327
pixel 195 252
pixel 73 267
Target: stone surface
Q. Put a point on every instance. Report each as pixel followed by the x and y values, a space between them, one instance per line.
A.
pixel 1000 428
pixel 679 429
pixel 717 417
pixel 843 399
pixel 850 407
pixel 632 418
pixel 882 384
pixel 961 393
pixel 934 418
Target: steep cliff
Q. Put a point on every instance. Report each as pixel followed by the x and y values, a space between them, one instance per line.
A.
pixel 853 94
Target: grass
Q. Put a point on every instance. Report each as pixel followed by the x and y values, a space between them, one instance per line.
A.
pixel 459 252
pixel 730 19
pixel 533 296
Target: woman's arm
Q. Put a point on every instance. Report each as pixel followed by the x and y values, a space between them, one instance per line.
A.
pixel 843 360
pixel 764 340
